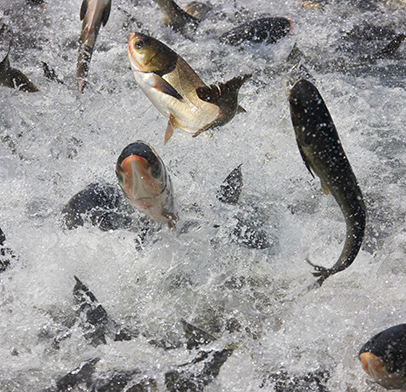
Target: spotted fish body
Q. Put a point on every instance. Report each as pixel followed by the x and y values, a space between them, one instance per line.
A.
pixel 323 154
pixel 93 13
pixel 177 91
pixel 383 357
pixel 146 183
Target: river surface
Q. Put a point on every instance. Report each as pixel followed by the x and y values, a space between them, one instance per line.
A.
pixel 55 142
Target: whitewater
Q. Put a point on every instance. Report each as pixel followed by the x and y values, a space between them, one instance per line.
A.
pixel 55 142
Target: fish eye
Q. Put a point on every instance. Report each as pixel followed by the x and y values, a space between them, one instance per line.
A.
pixel 139 45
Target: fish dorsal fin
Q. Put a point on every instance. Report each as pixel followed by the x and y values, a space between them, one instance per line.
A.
pixel 106 13
pixel 83 9
pixel 172 123
pixel 163 86
pixel 240 109
pixel 306 162
pixel 324 188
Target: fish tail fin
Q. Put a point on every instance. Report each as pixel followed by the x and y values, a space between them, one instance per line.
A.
pixel 233 84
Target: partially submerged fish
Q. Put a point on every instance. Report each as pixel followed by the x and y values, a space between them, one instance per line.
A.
pixel 198 9
pixel 176 90
pixel 101 204
pixel 50 73
pixel 383 357
pixel 231 188
pixel 94 13
pixel 13 78
pixel 175 17
pixel 269 29
pixel 146 183
pixel 323 154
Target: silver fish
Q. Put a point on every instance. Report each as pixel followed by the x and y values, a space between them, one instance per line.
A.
pixel 94 13
pixel 146 183
pixel 177 91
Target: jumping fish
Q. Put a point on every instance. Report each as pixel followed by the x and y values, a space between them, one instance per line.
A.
pixel 383 357
pixel 269 29
pixel 146 183
pixel 13 78
pixel 93 13
pixel 176 90
pixel 323 154
pixel 175 17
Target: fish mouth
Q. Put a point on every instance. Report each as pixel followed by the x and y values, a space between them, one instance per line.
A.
pixel 132 57
pixel 136 179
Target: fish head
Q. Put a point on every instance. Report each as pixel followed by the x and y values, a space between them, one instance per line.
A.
pixel 306 108
pixel 140 172
pixel 147 54
pixel 383 357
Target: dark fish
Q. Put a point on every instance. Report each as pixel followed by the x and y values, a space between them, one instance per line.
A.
pixel 94 13
pixel 193 380
pixel 195 336
pixel 383 357
pixel 94 319
pixel 282 381
pixel 231 188
pixel 175 17
pixel 85 378
pixel 198 9
pixel 6 254
pixel 323 154
pixel 13 78
pixel 389 49
pixel 81 376
pixel 145 182
pixel 268 30
pixel 50 73
pixel 100 204
pixel 248 232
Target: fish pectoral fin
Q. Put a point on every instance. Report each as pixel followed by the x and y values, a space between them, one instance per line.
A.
pixel 170 129
pixel 324 188
pixel 240 109
pixel 209 94
pixel 106 13
pixel 83 9
pixel 306 162
pixel 163 86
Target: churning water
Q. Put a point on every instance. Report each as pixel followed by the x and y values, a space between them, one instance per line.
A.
pixel 55 142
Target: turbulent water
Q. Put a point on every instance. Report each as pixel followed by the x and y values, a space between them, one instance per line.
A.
pixel 55 142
